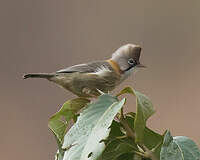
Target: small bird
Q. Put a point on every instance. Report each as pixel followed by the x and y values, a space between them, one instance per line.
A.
pixel 89 79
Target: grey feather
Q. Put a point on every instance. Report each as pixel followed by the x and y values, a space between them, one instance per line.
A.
pixel 86 68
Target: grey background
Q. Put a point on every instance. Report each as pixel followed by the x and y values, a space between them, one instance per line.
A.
pixel 47 35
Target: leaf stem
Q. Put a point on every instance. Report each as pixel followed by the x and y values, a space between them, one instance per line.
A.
pixel 122 113
pixel 158 145
pixel 148 153
pixel 122 120
pixel 130 133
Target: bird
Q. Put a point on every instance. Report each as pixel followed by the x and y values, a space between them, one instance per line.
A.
pixel 91 79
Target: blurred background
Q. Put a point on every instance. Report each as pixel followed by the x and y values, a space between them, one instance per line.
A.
pixel 47 35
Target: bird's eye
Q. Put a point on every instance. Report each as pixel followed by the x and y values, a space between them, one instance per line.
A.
pixel 131 61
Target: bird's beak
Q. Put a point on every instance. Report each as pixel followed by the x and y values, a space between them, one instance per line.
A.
pixel 141 66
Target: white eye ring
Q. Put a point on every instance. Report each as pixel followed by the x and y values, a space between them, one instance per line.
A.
pixel 131 61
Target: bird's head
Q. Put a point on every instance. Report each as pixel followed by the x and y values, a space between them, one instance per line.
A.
pixel 127 57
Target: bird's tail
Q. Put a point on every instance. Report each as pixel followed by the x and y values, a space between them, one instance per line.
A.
pixel 39 75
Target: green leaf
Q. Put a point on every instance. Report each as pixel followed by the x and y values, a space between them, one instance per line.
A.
pixel 115 130
pixel 137 157
pixel 126 90
pixel 84 140
pixel 143 111
pixel 126 156
pixel 179 148
pixel 116 148
pixel 100 132
pixel 67 111
pixel 58 126
pixel 189 148
pixel 153 141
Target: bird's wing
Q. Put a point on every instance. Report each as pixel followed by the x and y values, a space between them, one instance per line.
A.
pixel 92 67
pixel 83 68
